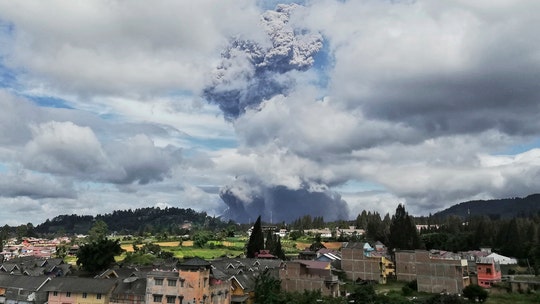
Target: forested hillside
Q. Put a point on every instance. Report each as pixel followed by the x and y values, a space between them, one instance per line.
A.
pixel 138 221
pixel 498 208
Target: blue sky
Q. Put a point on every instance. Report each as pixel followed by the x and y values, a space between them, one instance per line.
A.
pixel 340 106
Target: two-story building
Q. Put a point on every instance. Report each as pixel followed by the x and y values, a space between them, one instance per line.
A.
pixel 77 290
pixel 362 262
pixel 434 272
pixel 300 275
pixel 488 272
pixel 192 282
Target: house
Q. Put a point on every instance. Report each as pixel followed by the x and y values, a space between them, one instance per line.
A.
pixel 35 266
pixel 300 275
pixel 265 254
pixel 501 259
pixel 131 290
pixel 360 261
pixel 243 288
pixel 488 272
pixel 435 271
pixel 75 290
pixel 242 273
pixel 193 282
pixel 22 289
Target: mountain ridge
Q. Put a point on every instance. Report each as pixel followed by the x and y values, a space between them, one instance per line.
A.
pixel 495 208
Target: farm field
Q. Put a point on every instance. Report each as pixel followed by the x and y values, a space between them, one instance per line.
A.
pixel 230 247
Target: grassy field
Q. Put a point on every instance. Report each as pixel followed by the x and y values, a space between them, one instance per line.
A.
pixel 513 298
pixel 230 247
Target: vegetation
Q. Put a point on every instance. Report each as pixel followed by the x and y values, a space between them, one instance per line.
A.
pixel 475 293
pixel 152 221
pixel 256 239
pixel 403 233
pixel 98 255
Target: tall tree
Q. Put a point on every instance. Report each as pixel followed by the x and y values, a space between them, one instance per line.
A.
pixel 270 243
pixel 256 239
pixel 99 255
pixel 403 233
pixel 98 231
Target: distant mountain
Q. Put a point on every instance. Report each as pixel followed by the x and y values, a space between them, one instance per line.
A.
pixel 496 208
pixel 138 221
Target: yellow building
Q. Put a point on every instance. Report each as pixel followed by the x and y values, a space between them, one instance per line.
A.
pixel 75 290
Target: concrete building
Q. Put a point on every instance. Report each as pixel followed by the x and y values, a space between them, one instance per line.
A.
pixel 301 275
pixel 193 282
pixel 434 271
pixel 360 261
pixel 76 290
pixel 488 272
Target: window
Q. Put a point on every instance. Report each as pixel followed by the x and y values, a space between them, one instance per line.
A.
pixel 55 293
pixel 170 299
pixel 84 295
pixel 158 298
pixel 159 281
pixel 98 296
pixel 68 294
pixel 488 270
pixel 171 282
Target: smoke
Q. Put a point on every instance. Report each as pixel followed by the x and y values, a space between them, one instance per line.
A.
pixel 250 73
pixel 279 203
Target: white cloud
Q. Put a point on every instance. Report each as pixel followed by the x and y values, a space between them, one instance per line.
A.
pixel 420 98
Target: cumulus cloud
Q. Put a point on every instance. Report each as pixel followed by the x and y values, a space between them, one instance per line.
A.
pixel 64 148
pixel 22 183
pixel 103 48
pixel 417 92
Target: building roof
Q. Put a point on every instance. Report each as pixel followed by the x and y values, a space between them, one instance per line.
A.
pixel 195 263
pixel 23 282
pixel 79 285
pixel 131 286
pixel 354 245
pixel 245 280
pixel 314 264
pixel 501 259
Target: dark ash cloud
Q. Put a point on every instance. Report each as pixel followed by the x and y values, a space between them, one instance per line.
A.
pixel 251 72
pixel 279 203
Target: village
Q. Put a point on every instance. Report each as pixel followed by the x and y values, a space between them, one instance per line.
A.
pixel 31 273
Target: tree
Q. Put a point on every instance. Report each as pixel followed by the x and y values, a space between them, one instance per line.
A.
pixel 267 289
pixel 62 250
pixel 99 255
pixel 98 231
pixel 403 233
pixel 200 238
pixel 475 293
pixel 363 294
pixel 256 240
pixel 270 243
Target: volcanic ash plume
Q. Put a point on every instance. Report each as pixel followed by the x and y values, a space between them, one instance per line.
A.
pixel 250 72
pixel 279 203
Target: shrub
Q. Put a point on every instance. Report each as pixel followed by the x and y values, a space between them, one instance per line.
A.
pixel 475 293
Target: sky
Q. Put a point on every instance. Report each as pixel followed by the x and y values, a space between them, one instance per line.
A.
pixel 280 109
